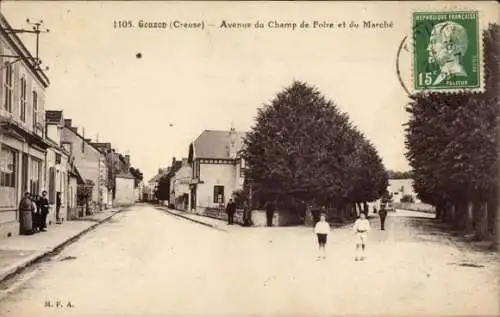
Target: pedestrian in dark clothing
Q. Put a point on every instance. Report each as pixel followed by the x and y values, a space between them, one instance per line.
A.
pixel 58 207
pixel 230 209
pixel 247 216
pixel 315 213
pixel 270 208
pixel 25 215
pixel 44 210
pixel 382 214
pixel 35 212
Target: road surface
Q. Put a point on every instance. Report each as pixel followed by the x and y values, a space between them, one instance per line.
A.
pixel 146 262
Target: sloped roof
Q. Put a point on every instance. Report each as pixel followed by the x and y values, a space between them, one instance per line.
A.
pixel 125 175
pixel 75 172
pixel 53 116
pixel 215 143
pixel 159 175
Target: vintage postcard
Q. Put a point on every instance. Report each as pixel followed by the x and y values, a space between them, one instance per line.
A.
pixel 249 158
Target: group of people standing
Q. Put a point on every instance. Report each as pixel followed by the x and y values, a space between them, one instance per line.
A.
pixel 33 211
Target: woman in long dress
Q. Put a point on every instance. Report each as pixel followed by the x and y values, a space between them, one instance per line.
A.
pixel 25 215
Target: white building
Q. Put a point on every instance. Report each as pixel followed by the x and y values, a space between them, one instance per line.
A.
pixel 125 191
pixel 23 147
pixel 179 186
pixel 57 165
pixel 217 169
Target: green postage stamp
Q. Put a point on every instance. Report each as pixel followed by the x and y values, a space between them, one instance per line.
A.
pixel 447 51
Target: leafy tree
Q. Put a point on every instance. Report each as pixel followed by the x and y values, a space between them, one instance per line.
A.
pixel 453 150
pixel 138 176
pixel 303 148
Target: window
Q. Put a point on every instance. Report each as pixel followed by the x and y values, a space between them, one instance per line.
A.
pixel 218 194
pixel 35 108
pixel 35 169
pixel 52 184
pixel 58 158
pixel 8 87
pixel 8 168
pixel 24 99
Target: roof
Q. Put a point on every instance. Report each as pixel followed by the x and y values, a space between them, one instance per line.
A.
pixel 157 177
pixel 125 175
pixel 216 143
pixel 91 144
pixel 75 172
pixel 53 116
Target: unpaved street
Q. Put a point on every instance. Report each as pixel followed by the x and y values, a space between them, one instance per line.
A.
pixel 147 262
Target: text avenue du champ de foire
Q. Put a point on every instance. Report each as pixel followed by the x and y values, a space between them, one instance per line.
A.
pixel 313 24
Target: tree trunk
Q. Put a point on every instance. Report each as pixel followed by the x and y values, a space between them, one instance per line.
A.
pixel 365 208
pixel 496 228
pixel 461 215
pixel 469 225
pixel 482 225
pixel 359 210
pixel 439 212
pixel 452 214
pixel 445 213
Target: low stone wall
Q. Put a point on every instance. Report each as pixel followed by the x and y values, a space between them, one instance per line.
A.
pixel 280 218
pixel 415 207
pixel 221 214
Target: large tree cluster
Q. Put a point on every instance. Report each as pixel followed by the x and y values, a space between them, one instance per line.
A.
pixel 452 142
pixel 302 148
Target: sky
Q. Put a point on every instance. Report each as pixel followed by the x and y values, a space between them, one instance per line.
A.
pixel 210 78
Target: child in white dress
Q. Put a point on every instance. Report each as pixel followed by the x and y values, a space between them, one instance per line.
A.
pixel 361 229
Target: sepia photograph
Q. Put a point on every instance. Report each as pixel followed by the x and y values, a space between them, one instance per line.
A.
pixel 249 158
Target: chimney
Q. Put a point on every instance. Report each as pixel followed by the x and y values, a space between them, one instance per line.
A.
pixel 127 160
pixel 74 129
pixel 232 143
pixel 67 123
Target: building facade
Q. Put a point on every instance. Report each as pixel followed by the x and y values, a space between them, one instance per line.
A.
pixel 217 168
pixel 89 161
pixel 23 146
pixel 179 185
pixel 57 165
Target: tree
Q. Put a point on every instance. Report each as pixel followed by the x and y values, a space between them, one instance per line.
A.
pixel 303 148
pixel 452 147
pixel 163 191
pixel 138 177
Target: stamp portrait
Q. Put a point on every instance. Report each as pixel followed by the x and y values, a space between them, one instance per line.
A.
pixel 446 50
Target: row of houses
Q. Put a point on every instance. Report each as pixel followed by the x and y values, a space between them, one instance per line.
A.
pixel 212 171
pixel 40 150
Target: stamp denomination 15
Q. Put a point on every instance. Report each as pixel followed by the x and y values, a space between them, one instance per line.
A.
pixel 446 48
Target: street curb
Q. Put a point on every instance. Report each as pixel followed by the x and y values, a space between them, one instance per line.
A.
pixel 191 219
pixel 17 268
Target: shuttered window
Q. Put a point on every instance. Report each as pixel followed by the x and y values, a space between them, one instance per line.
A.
pixel 52 185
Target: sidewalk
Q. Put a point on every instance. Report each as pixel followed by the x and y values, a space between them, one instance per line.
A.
pixel 18 252
pixel 203 220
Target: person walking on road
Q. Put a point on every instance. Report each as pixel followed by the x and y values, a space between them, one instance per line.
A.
pixel 270 208
pixel 44 211
pixel 382 215
pixel 322 229
pixel 26 215
pixel 230 209
pixel 247 216
pixel 361 229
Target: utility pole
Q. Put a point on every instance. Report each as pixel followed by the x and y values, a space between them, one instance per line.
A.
pixel 36 29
